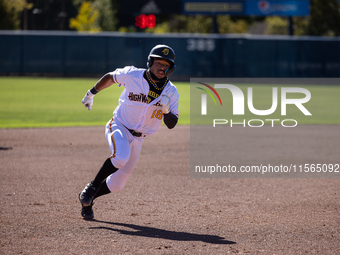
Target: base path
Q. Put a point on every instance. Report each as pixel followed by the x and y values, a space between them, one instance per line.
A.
pixel 161 210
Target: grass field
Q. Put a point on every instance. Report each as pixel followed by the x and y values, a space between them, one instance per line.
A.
pixel 52 102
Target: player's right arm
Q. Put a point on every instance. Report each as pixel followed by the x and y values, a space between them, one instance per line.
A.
pixel 103 83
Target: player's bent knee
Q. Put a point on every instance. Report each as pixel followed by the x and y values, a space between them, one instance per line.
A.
pixel 118 162
pixel 121 157
pixel 116 181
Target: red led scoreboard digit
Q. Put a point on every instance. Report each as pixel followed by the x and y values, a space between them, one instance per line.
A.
pixel 145 21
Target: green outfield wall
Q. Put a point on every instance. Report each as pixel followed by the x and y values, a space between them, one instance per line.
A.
pixel 71 54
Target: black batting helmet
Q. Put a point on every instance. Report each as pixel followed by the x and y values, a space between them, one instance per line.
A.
pixel 165 52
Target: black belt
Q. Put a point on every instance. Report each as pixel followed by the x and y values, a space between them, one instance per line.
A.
pixel 134 133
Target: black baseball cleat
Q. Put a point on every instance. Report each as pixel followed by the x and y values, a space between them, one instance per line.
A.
pixel 87 195
pixel 87 212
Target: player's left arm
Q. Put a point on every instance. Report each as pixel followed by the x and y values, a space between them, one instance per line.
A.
pixel 170 120
pixel 169 103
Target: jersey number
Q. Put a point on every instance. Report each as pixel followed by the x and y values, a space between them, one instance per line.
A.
pixel 157 114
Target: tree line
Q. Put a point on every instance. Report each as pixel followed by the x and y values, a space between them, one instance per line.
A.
pixel 102 15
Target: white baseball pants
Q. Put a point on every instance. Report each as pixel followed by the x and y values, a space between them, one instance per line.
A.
pixel 125 150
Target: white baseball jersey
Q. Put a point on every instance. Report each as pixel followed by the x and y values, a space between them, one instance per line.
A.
pixel 133 110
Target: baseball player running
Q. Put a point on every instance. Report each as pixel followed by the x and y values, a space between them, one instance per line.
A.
pixel 148 98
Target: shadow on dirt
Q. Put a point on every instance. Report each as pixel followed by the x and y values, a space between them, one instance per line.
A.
pixel 5 148
pixel 163 234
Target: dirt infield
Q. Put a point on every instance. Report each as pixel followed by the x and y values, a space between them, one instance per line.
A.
pixel 161 210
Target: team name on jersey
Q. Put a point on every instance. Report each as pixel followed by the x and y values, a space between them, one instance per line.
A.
pixel 138 97
pixel 153 94
pixel 142 98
